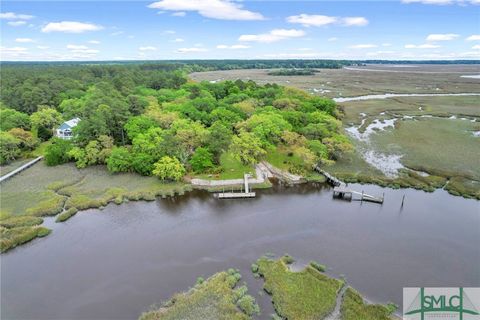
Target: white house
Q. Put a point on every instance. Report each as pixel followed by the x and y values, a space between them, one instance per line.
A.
pixel 65 130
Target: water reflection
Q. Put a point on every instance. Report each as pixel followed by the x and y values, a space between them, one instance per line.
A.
pixel 114 263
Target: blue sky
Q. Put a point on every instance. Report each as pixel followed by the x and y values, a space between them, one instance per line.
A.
pixel 220 29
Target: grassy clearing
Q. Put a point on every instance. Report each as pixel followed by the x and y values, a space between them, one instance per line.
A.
pixel 230 168
pixel 12 237
pixel 354 308
pixel 215 298
pixel 281 158
pixel 308 294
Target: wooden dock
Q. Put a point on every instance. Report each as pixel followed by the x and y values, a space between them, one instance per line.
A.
pixel 20 169
pixel 341 191
pixel 330 178
pixel 238 195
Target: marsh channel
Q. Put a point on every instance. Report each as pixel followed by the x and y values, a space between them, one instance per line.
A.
pixel 116 262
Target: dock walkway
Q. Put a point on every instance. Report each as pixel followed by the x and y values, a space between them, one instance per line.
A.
pixel 340 189
pixel 20 169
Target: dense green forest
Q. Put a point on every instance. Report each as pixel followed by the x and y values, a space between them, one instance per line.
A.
pixel 152 120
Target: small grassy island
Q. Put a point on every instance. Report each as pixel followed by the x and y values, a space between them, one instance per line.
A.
pixel 311 294
pixel 300 295
pixel 218 297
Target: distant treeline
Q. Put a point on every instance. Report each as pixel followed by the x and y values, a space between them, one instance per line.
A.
pixel 205 65
pixel 420 61
pixel 293 72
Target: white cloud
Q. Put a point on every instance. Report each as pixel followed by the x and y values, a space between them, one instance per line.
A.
pixel 422 46
pixel 442 2
pixel 16 23
pixel 13 50
pixel 24 40
pixel 81 51
pixel 332 39
pixel 306 55
pixel 476 47
pixel 354 21
pixel 178 40
pixel 272 36
pixel 363 46
pixel 188 50
pixel 474 37
pixel 386 44
pixel 313 20
pixel 308 20
pixel 232 47
pixel 169 32
pixel 43 47
pixel 304 49
pixel 215 9
pixel 380 53
pixel 70 27
pixel 94 42
pixel 116 33
pixel 442 37
pixel 13 53
pixel 15 16
pixel 147 48
pixel 179 14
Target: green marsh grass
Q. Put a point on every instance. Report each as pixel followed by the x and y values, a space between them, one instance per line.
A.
pixel 215 298
pixel 307 294
pixel 354 308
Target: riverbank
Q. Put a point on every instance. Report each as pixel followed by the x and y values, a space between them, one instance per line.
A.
pixel 410 129
pixel 172 241
pixel 63 190
pixel 42 191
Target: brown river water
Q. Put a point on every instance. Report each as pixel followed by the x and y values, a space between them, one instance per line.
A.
pixel 115 263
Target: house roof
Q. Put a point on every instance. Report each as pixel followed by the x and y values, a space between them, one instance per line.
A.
pixel 69 124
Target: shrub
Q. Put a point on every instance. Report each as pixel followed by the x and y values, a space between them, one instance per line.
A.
pixel 120 160
pixel 168 168
pixel 9 147
pixel 248 305
pixel 142 163
pixel 57 152
pixel 201 160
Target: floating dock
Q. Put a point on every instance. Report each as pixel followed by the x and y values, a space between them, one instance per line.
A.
pixel 238 195
pixel 347 194
pixel 341 191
